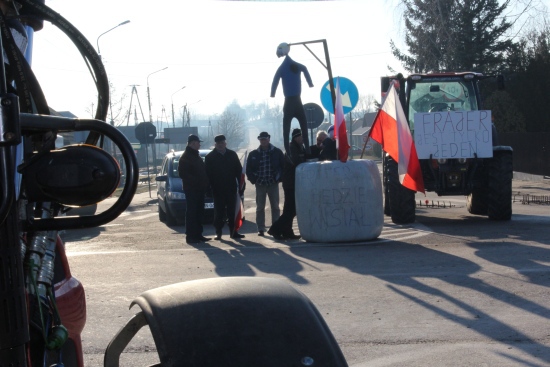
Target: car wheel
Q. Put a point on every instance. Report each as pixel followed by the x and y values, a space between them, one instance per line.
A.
pixel 162 215
pixel 170 219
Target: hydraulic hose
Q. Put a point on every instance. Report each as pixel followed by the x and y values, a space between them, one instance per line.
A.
pixel 86 49
pixel 36 123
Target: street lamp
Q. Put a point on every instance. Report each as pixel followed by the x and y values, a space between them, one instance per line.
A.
pixel 172 100
pixel 148 93
pixel 99 53
pixel 125 22
pixel 110 99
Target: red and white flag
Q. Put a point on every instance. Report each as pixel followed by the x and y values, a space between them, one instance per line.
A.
pixel 340 133
pixel 391 130
pixel 239 209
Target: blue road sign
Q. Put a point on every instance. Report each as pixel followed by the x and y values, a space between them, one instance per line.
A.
pixel 348 90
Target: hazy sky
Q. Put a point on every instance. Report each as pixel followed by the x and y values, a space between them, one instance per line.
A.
pixel 219 50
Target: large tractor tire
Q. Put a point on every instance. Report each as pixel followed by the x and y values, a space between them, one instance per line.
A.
pixel 401 199
pixel 499 187
pixel 476 202
pixel 387 209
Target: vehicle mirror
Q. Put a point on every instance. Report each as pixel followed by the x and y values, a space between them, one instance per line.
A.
pixel 434 88
pixel 162 178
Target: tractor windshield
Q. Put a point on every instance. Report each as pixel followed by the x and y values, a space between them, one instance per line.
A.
pixel 441 94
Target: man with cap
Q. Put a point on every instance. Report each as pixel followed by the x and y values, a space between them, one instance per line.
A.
pixel 282 228
pixel 192 170
pixel 290 73
pixel 224 170
pixel 264 169
pixel 329 151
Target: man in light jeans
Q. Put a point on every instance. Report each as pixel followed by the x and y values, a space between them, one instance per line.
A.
pixel 264 169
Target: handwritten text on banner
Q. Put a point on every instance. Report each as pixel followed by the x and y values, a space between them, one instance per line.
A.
pixel 453 134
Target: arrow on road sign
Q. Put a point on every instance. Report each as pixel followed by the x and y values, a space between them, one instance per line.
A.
pixel 346 101
pixel 348 91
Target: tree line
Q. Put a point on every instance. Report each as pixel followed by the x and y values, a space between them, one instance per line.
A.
pixel 508 37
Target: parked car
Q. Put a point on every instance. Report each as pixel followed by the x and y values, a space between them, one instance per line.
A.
pixel 171 199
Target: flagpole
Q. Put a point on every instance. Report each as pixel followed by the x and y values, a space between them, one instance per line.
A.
pixel 350 132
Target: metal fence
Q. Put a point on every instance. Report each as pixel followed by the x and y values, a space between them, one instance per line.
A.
pixel 531 151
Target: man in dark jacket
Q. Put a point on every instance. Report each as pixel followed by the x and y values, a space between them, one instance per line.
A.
pixel 329 151
pixel 192 170
pixel 264 169
pixel 224 170
pixel 318 147
pixel 282 228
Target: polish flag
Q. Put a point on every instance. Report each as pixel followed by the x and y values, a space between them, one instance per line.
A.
pixel 239 208
pixel 391 130
pixel 340 133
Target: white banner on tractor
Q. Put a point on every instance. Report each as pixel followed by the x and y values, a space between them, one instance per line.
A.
pixel 453 134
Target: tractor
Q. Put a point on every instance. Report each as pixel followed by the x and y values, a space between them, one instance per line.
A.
pixel 457 145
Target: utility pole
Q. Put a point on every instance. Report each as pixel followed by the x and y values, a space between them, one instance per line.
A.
pixel 134 91
pixel 172 100
pixel 149 94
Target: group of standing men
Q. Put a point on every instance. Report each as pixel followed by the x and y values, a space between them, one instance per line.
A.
pixel 221 171
pixel 267 166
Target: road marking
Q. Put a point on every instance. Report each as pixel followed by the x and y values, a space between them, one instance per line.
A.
pixel 143 216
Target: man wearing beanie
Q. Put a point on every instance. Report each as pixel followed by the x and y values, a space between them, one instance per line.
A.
pixel 282 228
pixel 264 169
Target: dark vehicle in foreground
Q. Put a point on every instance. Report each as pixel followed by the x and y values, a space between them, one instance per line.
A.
pixel 485 180
pixel 171 199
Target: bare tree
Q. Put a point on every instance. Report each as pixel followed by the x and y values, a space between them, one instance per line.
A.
pixel 365 104
pixel 231 125
pixel 116 105
pixel 116 115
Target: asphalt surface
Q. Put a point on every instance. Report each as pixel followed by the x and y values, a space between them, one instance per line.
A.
pixel 451 290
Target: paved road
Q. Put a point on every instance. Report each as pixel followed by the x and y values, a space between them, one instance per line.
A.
pixel 451 289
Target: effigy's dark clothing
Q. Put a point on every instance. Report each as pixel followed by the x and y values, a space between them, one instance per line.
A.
pixel 290 72
pixel 293 108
